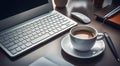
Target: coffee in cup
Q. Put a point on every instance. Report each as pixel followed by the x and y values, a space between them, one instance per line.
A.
pixel 83 34
pixel 83 38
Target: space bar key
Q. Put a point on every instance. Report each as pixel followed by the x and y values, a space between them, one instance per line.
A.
pixel 40 38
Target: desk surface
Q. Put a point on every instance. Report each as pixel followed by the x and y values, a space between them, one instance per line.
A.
pixel 53 47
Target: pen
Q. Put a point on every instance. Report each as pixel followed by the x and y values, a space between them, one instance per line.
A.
pixel 111 46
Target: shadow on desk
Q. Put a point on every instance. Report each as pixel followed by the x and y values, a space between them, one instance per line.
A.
pixel 82 62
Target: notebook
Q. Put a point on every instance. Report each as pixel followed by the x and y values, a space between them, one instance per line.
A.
pixel 113 21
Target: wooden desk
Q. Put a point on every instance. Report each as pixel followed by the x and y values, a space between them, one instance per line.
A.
pixel 53 46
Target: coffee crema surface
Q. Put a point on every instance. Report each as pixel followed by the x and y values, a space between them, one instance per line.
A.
pixel 83 34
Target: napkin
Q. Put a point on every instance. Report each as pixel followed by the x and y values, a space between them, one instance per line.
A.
pixel 50 60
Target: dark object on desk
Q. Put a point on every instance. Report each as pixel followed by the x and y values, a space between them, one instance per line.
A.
pixel 60 3
pixel 81 17
pixel 98 3
pixel 113 20
pixel 111 46
pixel 50 60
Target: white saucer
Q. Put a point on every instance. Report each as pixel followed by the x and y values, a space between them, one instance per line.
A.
pixel 97 49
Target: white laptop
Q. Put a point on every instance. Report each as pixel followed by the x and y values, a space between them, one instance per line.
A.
pixel 25 24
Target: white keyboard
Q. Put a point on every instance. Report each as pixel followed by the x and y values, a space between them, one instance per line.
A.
pixel 20 38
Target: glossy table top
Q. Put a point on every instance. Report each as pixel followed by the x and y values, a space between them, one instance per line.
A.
pixel 53 46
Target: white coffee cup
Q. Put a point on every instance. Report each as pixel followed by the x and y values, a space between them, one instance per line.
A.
pixel 83 38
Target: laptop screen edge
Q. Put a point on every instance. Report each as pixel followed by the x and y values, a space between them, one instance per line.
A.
pixel 27 15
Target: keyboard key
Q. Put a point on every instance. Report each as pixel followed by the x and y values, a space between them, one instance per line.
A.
pixel 20 32
pixel 20 39
pixel 43 32
pixel 25 34
pixel 18 49
pixel 6 42
pixel 16 37
pixel 59 29
pixel 51 32
pixel 20 43
pixel 20 35
pixel 24 41
pixel 36 36
pixel 11 39
pixel 28 44
pixel 12 43
pixel 13 51
pixel 40 38
pixel 6 38
pixel 28 39
pixel 23 46
pixel 31 38
pixel 64 26
pixel 13 47
pixel 16 41
pixel 55 30
pixel 30 35
pixel 9 44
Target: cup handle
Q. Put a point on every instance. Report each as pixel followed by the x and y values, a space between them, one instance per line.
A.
pixel 100 36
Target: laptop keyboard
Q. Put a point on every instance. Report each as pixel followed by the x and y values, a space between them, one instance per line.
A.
pixel 17 40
